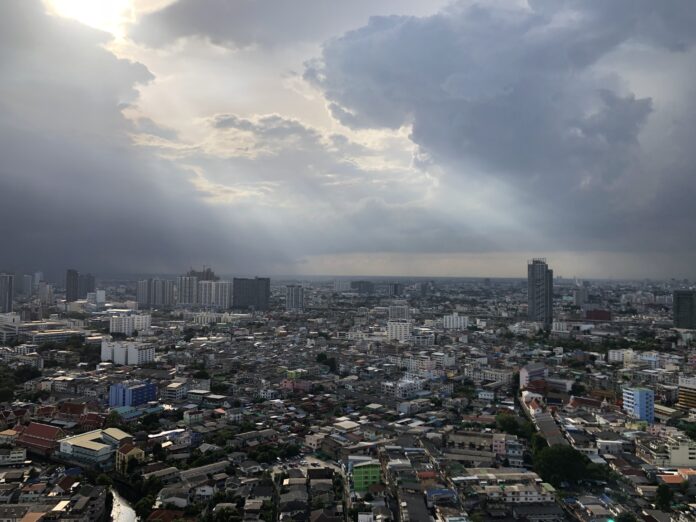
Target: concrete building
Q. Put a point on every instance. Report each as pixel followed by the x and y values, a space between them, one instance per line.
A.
pixel 72 283
pixel 639 403
pixel 215 294
pixel 454 321
pixel 129 323
pixel 687 392
pixel 6 293
pixel 131 393
pixel 532 372
pixel 294 298
pixel 540 292
pixel 399 331
pixel 399 311
pixel 251 293
pixel 364 472
pixel 155 293
pixel 684 309
pixel 94 448
pixel 187 288
pixel 127 352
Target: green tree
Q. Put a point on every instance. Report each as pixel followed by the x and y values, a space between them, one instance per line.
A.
pixel 664 497
pixel 104 480
pixel 626 517
pixel 144 507
pixel 557 464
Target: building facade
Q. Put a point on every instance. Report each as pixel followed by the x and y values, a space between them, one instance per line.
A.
pixel 540 292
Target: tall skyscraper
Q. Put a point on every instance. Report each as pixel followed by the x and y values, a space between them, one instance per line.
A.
pixel 187 288
pixel 72 285
pixel 6 293
pixel 294 298
pixel 85 285
pixel 251 293
pixel 540 292
pixel 684 309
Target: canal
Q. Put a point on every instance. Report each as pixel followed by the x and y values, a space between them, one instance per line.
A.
pixel 121 510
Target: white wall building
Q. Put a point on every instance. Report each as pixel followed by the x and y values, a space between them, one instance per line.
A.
pixel 127 324
pixel 127 352
pixel 399 331
pixel 294 298
pixel 455 321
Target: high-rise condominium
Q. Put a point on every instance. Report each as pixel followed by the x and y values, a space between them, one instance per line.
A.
pixel 251 293
pixel 155 293
pixel 6 293
pixel 215 294
pixel 294 298
pixel 187 288
pixel 540 292
pixel 72 285
pixel 684 309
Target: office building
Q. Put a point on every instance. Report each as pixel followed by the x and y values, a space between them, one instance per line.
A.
pixel 215 294
pixel 399 330
pixel 128 324
pixel 131 393
pixel 687 392
pixel 38 277
pixel 639 403
pixel 684 309
pixel 6 293
pixel 251 293
pixel 127 352
pixel 187 288
pixel 72 285
pixel 85 285
pixel 155 293
pixel 395 289
pixel 540 292
pixel 294 298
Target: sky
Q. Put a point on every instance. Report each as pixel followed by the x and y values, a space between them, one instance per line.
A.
pixel 391 137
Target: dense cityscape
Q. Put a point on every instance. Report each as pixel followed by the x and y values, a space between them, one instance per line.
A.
pixel 347 261
pixel 201 398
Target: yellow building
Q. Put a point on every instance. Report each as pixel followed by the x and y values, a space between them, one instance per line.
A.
pixel 125 454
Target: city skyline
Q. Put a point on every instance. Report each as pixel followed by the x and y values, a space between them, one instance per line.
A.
pixel 146 135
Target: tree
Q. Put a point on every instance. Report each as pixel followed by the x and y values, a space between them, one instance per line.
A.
pixel 557 464
pixel 144 507
pixel 626 517
pixel 104 480
pixel 663 499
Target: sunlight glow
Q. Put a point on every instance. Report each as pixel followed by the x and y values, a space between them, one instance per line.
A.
pixel 111 16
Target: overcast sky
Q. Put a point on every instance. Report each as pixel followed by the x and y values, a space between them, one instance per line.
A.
pixel 389 137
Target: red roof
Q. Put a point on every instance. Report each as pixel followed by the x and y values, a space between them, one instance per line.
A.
pixel 40 437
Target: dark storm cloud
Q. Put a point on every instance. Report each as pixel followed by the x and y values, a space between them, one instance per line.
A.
pixel 520 96
pixel 75 191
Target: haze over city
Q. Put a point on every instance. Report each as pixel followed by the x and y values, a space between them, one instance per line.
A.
pixel 376 138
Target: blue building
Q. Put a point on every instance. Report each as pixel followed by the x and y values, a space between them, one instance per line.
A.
pixel 131 393
pixel 639 403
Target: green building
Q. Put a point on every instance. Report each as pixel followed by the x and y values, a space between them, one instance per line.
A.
pixel 365 474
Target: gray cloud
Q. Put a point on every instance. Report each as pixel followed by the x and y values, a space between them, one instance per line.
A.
pixel 242 23
pixel 521 95
pixel 75 191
